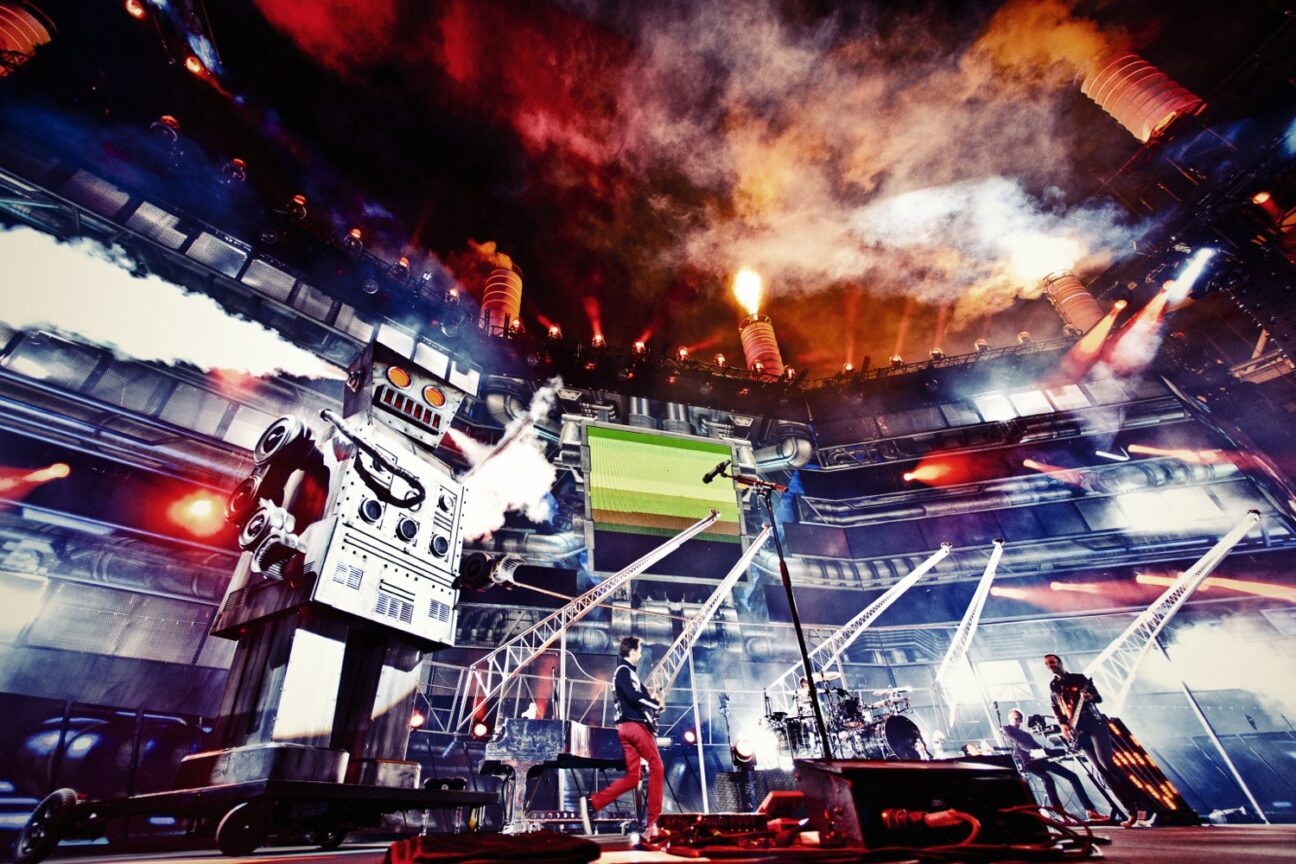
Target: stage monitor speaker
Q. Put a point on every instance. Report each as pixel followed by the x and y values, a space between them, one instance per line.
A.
pixel 741 791
pixel 846 801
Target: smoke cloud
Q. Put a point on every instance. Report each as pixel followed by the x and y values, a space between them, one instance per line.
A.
pixel 514 478
pixel 864 149
pixel 87 292
pixel 1233 653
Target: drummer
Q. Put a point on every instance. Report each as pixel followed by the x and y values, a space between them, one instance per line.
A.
pixel 803 696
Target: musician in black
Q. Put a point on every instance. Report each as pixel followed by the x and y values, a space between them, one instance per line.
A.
pixel 636 708
pixel 1075 704
pixel 1030 756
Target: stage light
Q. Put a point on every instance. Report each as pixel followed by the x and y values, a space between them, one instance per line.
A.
pixel 417 719
pixel 1080 587
pixel 353 241
pixel 690 736
pixel 135 9
pixel 555 333
pixel 847 368
pixel 743 753
pixel 1009 593
pixel 896 360
pixel 1242 586
pixel 758 367
pixel 639 348
pixel 194 65
pixel 1258 198
pixel 201 514
pixel 234 171
pixel 401 269
pixel 682 353
pixel 481 730
pixel 981 345
pixel 598 341
pixel 297 207
pixel 720 359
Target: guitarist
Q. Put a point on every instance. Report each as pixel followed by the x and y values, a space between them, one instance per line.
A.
pixel 1075 704
pixel 636 715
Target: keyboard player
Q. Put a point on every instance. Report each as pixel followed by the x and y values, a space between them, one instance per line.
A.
pixel 1031 756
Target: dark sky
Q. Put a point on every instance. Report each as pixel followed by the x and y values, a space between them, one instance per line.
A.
pixel 900 175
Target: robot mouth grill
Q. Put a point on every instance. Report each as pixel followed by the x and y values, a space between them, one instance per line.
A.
pixel 407 408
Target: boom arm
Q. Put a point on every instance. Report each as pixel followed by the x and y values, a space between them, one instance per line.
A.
pixel 962 641
pixel 1114 669
pixel 487 678
pixel 783 688
pixel 668 668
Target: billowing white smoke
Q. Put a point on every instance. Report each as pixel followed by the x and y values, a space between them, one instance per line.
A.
pixel 86 291
pixel 1234 653
pixel 516 477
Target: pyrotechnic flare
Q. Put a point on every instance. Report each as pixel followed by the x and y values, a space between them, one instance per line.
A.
pixel 760 347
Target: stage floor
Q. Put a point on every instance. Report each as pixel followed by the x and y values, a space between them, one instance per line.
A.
pixel 1203 845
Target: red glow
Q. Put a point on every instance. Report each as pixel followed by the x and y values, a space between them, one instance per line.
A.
pixel 15 483
pixel 1085 353
pixel 720 359
pixel 417 719
pixel 1242 586
pixel 200 513
pixel 194 65
pixel 1261 198
pixel 135 9
pixel 639 347
pixel 598 341
pixel 593 313
pixel 1082 587
pixel 682 352
pixel 1009 593
pixel 1196 457
pixel 1069 476
pixel 942 471
pixel 480 729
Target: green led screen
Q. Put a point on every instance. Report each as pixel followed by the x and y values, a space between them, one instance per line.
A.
pixel 646 487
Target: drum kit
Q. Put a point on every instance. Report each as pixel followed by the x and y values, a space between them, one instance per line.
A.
pixel 859 729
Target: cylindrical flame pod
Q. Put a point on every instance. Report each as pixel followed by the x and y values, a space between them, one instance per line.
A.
pixel 1140 96
pixel 501 301
pixel 1072 300
pixel 760 346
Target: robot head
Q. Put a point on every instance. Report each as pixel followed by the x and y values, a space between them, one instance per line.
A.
pixel 409 385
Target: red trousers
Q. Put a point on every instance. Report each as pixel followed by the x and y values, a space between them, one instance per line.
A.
pixel 639 744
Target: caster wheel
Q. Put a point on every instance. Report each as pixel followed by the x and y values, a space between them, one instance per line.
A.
pixel 243 829
pixel 327 838
pixel 45 825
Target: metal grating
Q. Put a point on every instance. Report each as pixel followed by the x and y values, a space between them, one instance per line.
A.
pixel 347 575
pixel 81 617
pixel 349 323
pixel 394 607
pixel 312 301
pixel 269 280
pixel 165 630
pixel 217 254
pixel 217 653
pixel 158 225
pixel 127 386
pixel 52 361
pixel 95 193
pixel 438 611
pixel 246 427
pixel 192 408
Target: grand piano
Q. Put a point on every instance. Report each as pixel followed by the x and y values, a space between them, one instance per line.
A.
pixel 521 745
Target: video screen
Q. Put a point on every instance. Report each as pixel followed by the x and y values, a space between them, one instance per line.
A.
pixel 645 487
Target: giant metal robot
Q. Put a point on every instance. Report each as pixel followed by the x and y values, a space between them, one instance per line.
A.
pixel 351 544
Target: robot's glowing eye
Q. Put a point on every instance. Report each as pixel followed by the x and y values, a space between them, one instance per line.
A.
pixel 398 377
pixel 434 397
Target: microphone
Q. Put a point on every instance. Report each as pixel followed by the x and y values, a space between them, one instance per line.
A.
pixel 715 472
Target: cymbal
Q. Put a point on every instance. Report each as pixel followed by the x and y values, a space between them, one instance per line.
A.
pixel 830 675
pixel 890 690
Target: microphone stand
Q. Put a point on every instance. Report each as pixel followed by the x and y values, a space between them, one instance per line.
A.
pixel 765 490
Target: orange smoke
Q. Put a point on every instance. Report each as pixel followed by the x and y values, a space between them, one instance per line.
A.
pixel 489 253
pixel 1242 586
pixel 1031 36
pixel 747 290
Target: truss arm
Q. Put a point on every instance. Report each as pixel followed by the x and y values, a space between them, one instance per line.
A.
pixel 957 654
pixel 1115 668
pixel 668 668
pixel 487 678
pixel 783 688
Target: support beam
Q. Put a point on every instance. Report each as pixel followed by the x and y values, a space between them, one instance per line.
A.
pixel 957 655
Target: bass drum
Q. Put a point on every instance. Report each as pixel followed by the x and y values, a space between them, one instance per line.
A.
pixel 894 737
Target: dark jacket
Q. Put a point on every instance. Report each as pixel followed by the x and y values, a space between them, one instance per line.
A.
pixel 1022 744
pixel 1066 689
pixel 631 697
